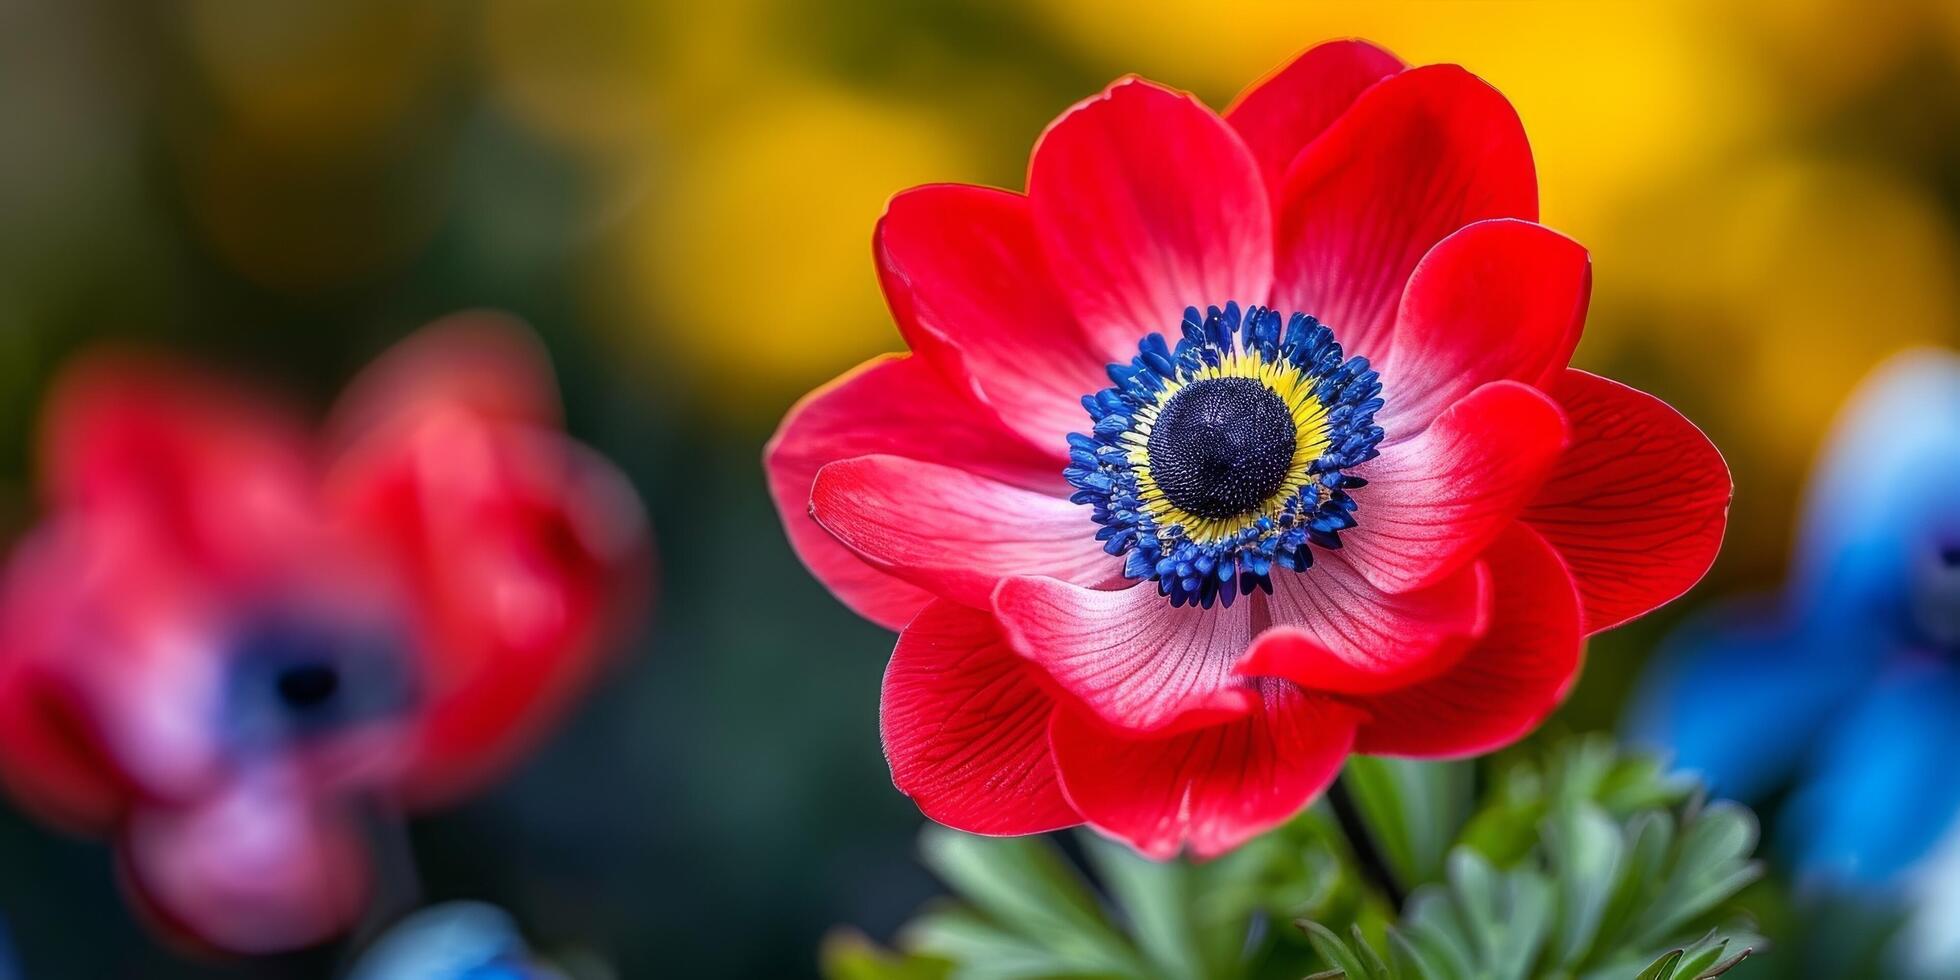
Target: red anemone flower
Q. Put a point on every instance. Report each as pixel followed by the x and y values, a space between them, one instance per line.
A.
pixel 1372 510
pixel 230 640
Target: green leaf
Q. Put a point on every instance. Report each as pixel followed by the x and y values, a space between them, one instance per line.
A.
pixel 1026 886
pixel 1581 768
pixel 1585 849
pixel 981 950
pixel 1160 900
pixel 1662 969
pixel 1412 960
pixel 1474 884
pixel 1724 966
pixel 1504 915
pixel 1527 923
pixel 1701 956
pixel 1711 864
pixel 1433 924
pixel 1336 952
pixel 1412 809
pixel 1650 837
pixel 1640 782
pixel 1370 960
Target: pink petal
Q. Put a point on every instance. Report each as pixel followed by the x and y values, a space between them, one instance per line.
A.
pixel 897 405
pixel 965 725
pixel 966 280
pixel 1333 631
pixel 1148 203
pixel 1435 501
pixel 1418 156
pixel 1211 788
pixel 1280 114
pixel 1498 300
pixel 953 533
pixel 259 867
pixel 1129 655
pixel 1637 505
pixel 1508 682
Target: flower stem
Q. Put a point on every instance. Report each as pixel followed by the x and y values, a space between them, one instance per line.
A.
pixel 1367 855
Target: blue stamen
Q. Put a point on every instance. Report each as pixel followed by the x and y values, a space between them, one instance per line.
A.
pixel 1188 571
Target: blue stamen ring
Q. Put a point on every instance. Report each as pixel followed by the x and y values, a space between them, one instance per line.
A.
pixel 1212 462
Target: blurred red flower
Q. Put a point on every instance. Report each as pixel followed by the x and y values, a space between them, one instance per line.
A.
pixel 1287 553
pixel 231 641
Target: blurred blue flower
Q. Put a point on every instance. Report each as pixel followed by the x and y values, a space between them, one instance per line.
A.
pixel 9 966
pixel 1845 688
pixel 452 941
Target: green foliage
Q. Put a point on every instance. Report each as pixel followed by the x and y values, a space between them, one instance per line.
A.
pixel 1026 911
pixel 1585 864
pixel 1588 864
pixel 1413 811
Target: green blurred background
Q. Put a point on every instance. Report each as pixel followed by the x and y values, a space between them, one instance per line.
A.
pixel 680 198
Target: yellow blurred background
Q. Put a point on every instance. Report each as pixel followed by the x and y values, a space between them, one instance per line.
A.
pixel 1765 185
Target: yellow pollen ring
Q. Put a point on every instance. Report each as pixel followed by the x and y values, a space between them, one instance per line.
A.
pixel 1309 443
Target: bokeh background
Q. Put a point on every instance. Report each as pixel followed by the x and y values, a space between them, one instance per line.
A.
pixel 680 196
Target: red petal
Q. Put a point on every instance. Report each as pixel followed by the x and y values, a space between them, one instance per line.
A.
pixel 953 533
pixel 1148 203
pixel 1129 655
pixel 1435 501
pixel 963 272
pixel 1499 300
pixel 167 458
pixel 528 555
pixel 1417 157
pixel 483 362
pixel 105 661
pixel 965 725
pixel 48 757
pixel 1505 684
pixel 896 405
pixel 1280 114
pixel 1333 631
pixel 1212 788
pixel 1637 505
pixel 169 493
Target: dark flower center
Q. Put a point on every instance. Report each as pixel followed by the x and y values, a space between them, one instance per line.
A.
pixel 308 685
pixel 295 676
pixel 1219 459
pixel 1222 446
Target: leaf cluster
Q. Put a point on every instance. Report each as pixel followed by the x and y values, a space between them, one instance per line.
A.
pixel 1579 863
